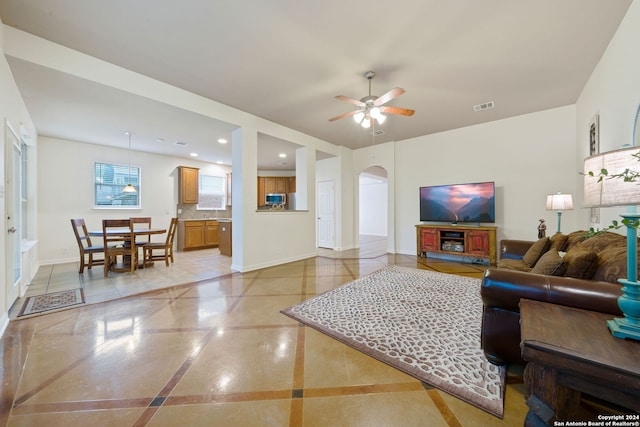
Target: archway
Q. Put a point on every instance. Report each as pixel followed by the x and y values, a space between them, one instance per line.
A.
pixel 373 209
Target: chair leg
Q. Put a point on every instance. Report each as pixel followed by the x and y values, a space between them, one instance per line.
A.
pixel 81 264
pixel 166 257
pixel 107 264
pixel 90 261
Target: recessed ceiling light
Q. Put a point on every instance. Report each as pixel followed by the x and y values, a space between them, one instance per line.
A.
pixel 193 154
pixel 219 162
pixel 282 155
pixel 222 141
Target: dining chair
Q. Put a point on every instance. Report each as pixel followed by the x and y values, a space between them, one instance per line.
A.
pixel 166 246
pixel 138 224
pixel 119 240
pixel 85 246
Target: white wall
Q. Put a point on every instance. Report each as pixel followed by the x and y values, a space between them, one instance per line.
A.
pixel 65 185
pixel 612 92
pixel 528 157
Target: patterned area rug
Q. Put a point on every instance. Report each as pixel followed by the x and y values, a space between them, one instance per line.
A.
pixel 52 301
pixel 424 323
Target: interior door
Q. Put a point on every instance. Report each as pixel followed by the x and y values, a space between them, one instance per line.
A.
pixel 12 209
pixel 326 215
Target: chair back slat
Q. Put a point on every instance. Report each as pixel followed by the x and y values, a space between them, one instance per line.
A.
pixel 172 231
pixel 110 234
pixel 81 233
pixel 142 223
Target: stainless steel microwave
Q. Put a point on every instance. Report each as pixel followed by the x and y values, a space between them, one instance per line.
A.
pixel 275 199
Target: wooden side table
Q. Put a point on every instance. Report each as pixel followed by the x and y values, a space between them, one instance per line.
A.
pixel 572 351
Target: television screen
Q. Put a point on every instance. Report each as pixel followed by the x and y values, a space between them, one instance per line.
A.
pixel 458 203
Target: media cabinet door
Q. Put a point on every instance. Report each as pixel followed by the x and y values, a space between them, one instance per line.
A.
pixel 478 243
pixel 429 241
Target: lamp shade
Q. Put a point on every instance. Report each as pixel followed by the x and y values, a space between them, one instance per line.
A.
pixel 559 202
pixel 604 191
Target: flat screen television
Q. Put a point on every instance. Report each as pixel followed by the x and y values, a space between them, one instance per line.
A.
pixel 473 202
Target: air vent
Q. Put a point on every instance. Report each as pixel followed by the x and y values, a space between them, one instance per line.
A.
pixel 484 106
pixel 377 132
pixel 181 143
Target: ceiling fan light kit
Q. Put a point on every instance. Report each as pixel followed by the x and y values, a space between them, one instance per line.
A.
pixel 371 107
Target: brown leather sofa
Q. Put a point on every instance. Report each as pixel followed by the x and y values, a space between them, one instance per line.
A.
pixel 595 289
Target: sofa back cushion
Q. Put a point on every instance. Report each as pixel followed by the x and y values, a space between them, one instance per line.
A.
pixel 551 264
pixel 535 252
pixel 581 263
pixel 558 241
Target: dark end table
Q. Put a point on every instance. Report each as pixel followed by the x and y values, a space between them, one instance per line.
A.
pixel 571 351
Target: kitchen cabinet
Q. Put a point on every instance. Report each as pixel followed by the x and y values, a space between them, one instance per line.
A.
pixel 198 234
pixel 274 184
pixel 188 182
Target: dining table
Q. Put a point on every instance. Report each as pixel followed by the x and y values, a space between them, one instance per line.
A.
pixel 125 232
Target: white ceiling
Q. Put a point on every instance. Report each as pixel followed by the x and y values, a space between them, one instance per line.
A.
pixel 285 60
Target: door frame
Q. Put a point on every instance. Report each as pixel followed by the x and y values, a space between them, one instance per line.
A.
pixel 12 179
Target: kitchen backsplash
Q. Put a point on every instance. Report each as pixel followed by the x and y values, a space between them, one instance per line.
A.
pixel 190 212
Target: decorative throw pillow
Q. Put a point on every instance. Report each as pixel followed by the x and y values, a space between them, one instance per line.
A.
pixel 581 263
pixel 550 264
pixel 513 264
pixel 558 241
pixel 612 265
pixel 574 238
pixel 535 251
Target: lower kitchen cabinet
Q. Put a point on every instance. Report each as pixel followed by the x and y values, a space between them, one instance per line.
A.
pixel 197 235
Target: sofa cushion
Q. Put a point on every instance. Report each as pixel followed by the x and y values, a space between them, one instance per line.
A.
pixel 558 241
pixel 574 239
pixel 603 241
pixel 581 263
pixel 612 264
pixel 535 251
pixel 513 264
pixel 551 263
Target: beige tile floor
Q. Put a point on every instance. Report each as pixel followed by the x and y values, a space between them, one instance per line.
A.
pixel 217 353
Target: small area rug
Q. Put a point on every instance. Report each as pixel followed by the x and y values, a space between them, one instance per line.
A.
pixel 55 300
pixel 424 323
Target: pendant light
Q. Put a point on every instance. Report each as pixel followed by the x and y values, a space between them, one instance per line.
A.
pixel 129 188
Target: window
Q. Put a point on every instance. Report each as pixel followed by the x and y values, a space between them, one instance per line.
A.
pixel 211 195
pixel 109 182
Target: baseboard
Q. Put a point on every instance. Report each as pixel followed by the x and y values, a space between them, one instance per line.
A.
pixel 273 263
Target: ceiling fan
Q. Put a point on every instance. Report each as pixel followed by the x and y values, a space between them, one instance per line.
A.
pixel 372 107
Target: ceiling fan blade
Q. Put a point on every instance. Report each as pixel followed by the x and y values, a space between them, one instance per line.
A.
pixel 342 116
pixel 350 101
pixel 396 110
pixel 393 93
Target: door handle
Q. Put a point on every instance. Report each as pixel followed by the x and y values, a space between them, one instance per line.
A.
pixel 12 230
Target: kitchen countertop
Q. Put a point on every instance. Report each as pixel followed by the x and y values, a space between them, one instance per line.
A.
pixel 206 219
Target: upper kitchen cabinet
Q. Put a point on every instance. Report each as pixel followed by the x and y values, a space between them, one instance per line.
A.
pixel 274 184
pixel 188 181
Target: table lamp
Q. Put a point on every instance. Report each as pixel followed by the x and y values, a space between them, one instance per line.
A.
pixel 615 188
pixel 559 202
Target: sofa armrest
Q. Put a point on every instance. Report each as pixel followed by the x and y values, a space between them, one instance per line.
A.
pixel 514 249
pixel 503 289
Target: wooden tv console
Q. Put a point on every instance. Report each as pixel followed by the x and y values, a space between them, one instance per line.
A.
pixel 470 241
